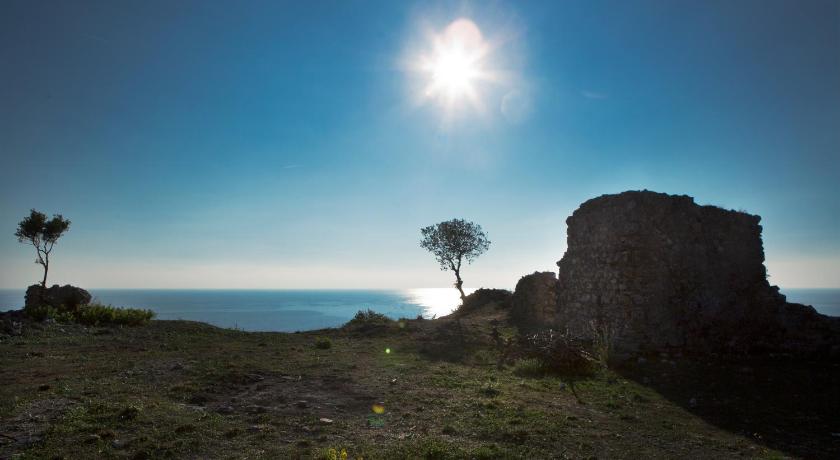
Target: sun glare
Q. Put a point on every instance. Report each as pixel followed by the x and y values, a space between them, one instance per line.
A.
pixel 453 72
pixel 453 65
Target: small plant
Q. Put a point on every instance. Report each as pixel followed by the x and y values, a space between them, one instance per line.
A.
pixel 129 412
pixel 604 341
pixel 334 454
pixel 490 389
pixel 323 343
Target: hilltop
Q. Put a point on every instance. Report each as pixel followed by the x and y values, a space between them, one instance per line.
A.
pixel 176 389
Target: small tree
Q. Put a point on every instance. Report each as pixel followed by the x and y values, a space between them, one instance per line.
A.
pixel 42 233
pixel 452 242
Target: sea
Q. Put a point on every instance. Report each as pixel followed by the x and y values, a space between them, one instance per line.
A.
pixel 302 310
pixel 271 310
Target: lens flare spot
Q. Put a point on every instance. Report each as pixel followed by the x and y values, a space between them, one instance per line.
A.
pixel 387 351
pixel 378 409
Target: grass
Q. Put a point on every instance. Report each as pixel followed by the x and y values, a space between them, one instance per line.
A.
pixel 529 367
pixel 176 389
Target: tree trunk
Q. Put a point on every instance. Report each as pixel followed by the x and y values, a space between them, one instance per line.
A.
pixel 458 283
pixel 46 265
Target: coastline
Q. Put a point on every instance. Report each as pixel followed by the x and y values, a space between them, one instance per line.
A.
pixel 308 310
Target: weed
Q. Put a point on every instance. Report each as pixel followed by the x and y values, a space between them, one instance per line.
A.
pixel 604 341
pixel 529 367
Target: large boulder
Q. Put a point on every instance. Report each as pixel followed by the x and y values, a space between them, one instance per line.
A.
pixel 659 271
pixel 62 298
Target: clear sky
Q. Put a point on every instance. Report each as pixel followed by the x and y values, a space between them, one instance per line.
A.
pixel 289 145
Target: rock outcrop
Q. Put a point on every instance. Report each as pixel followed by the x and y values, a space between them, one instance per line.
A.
pixel 63 298
pixel 660 271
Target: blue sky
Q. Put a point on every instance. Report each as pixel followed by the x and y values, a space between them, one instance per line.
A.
pixel 281 145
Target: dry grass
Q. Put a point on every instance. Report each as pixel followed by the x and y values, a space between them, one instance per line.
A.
pixel 180 389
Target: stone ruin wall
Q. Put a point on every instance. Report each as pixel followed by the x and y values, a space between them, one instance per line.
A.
pixel 663 272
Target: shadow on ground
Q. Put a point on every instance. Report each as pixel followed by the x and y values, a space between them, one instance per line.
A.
pixel 789 405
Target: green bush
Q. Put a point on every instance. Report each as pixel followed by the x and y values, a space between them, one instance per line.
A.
pixel 91 315
pixel 40 312
pixel 65 317
pixel 366 320
pixel 323 343
pixel 101 315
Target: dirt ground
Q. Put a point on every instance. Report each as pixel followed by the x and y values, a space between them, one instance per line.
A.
pixel 409 389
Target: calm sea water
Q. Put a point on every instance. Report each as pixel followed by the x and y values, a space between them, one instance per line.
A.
pixel 270 310
pixel 300 310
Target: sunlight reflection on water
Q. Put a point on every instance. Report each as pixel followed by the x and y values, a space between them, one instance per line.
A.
pixel 436 302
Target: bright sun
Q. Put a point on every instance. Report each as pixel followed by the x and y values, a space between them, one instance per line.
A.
pixel 455 64
pixel 453 72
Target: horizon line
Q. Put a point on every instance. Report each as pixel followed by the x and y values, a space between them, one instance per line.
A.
pixel 322 288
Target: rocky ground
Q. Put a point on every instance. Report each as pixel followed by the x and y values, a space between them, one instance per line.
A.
pixel 411 389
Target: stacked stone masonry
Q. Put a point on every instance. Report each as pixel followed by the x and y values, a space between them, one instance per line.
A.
pixel 662 272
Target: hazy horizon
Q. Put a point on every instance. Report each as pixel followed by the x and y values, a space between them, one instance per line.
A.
pixel 291 146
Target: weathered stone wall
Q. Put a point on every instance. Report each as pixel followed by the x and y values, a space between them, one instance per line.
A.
pixel 534 302
pixel 665 272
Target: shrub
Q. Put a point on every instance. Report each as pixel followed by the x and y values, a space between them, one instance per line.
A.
pixel 91 315
pixel 101 315
pixel 323 343
pixel 368 320
pixel 40 312
pixel 559 351
pixel 65 317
